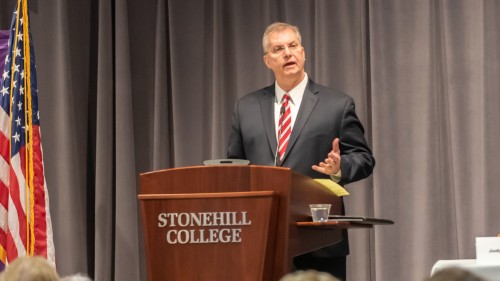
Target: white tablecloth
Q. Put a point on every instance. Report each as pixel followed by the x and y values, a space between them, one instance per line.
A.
pixel 488 271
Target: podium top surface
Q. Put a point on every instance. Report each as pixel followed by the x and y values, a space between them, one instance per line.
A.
pixel 235 165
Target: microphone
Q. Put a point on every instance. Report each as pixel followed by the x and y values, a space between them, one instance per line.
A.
pixel 282 111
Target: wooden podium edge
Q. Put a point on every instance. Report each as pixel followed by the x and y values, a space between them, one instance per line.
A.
pixel 206 195
pixel 332 225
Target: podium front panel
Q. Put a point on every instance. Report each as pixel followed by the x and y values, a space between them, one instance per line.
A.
pixel 209 236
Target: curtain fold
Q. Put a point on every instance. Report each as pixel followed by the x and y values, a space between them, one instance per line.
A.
pixel 105 165
pixel 161 152
pixel 126 228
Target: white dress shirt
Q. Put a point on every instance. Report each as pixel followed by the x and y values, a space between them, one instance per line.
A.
pixel 296 95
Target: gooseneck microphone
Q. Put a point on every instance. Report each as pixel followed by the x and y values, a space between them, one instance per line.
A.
pixel 277 162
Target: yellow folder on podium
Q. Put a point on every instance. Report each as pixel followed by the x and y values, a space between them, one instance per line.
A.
pixel 334 187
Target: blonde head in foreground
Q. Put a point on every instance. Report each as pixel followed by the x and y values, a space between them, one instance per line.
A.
pixel 28 268
pixel 309 275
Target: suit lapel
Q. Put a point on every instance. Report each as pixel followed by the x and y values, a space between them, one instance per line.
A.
pixel 267 107
pixel 307 105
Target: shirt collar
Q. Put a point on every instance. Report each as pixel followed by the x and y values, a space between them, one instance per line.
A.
pixel 295 93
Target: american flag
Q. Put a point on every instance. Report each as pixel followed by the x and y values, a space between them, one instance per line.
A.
pixel 25 225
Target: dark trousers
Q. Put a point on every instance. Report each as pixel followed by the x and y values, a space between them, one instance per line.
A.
pixel 335 266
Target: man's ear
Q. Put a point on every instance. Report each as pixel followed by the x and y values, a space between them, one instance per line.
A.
pixel 266 61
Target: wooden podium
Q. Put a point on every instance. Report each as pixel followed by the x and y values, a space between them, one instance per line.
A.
pixel 229 222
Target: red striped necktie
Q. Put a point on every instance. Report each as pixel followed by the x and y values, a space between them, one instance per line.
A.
pixel 285 126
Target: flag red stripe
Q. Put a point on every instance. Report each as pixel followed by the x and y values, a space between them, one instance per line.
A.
pixel 14 195
pixel 22 157
pixel 4 196
pixel 3 235
pixel 4 148
pixel 39 185
pixel 11 248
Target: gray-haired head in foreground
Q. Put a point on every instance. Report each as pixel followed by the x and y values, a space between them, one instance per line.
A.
pixel 28 268
pixel 455 274
pixel 76 277
pixel 309 275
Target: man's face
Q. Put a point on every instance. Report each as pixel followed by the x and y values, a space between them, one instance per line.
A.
pixel 285 56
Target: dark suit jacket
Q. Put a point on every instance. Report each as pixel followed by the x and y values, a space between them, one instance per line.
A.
pixel 324 115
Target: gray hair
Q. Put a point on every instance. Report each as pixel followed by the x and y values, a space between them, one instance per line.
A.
pixel 278 26
pixel 76 277
pixel 30 268
pixel 309 275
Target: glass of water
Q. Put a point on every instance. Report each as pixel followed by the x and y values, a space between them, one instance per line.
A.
pixel 320 212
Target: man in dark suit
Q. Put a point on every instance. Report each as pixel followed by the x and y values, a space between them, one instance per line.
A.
pixel 326 141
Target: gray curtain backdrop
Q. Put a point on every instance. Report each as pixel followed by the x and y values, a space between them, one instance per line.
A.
pixel 127 87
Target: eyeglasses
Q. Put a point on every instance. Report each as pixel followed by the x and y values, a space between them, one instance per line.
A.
pixel 279 49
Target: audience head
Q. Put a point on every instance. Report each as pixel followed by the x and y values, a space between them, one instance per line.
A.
pixel 455 274
pixel 28 268
pixel 76 277
pixel 308 275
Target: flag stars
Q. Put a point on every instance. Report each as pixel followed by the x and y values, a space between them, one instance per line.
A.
pixel 4 91
pixel 16 137
pixel 20 106
pixel 16 68
pixel 5 75
pixel 20 36
pixel 21 90
pixel 18 52
pixel 18 121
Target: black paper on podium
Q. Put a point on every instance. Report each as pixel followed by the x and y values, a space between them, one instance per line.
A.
pixel 359 219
